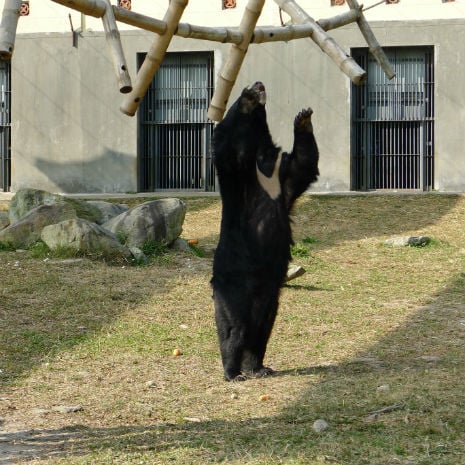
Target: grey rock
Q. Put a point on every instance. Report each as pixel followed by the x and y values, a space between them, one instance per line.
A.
pixel 320 425
pixel 84 236
pixel 27 230
pixel 180 245
pixel 383 388
pixel 157 220
pixel 108 210
pixel 138 254
pixel 404 241
pixel 67 408
pixel 26 200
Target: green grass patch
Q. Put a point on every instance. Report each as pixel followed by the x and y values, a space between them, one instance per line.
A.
pixel 366 329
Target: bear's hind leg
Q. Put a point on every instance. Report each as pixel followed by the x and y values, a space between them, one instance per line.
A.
pixel 254 352
pixel 231 337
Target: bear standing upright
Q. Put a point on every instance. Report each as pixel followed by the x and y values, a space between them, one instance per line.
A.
pixel 259 184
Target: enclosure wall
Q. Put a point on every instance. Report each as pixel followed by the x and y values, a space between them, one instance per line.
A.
pixel 68 134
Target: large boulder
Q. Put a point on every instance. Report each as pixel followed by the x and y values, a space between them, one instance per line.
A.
pixel 26 231
pixel 84 236
pixel 27 199
pixel 108 210
pixel 156 220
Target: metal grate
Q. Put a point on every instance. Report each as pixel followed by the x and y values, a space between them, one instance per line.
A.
pixel 5 141
pixel 393 122
pixel 174 131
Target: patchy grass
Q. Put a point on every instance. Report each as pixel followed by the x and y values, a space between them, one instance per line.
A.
pixel 367 327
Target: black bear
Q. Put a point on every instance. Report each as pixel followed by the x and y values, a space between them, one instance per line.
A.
pixel 258 184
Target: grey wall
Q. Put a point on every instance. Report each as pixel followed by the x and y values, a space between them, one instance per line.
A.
pixel 68 134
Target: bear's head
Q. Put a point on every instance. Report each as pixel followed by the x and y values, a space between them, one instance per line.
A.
pixel 244 133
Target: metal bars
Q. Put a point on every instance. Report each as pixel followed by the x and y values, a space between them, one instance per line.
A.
pixel 393 122
pixel 174 133
pixel 5 140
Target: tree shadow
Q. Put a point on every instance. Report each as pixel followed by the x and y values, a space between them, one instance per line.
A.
pixel 107 172
pixel 421 363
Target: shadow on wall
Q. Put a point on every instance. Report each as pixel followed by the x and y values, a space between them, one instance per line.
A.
pixel 110 172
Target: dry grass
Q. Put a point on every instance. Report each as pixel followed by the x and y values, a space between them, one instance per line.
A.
pixel 363 316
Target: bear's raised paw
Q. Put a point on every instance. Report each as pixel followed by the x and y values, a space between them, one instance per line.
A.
pixel 303 121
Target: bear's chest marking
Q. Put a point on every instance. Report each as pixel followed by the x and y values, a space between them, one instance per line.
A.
pixel 271 185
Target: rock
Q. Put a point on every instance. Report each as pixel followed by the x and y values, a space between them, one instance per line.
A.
pixel 84 236
pixel 383 388
pixel 27 231
pixel 67 408
pixel 157 220
pixel 26 200
pixel 180 245
pixel 108 210
pixel 320 425
pixel 403 241
pixel 138 255
pixel 4 220
pixel 294 271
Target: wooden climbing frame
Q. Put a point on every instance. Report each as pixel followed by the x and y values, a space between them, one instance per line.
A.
pixel 303 26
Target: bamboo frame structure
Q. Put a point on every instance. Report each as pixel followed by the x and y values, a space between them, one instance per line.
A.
pixel 227 76
pixel 8 26
pixel 327 44
pixel 116 49
pixel 303 26
pixel 154 58
pixel 373 45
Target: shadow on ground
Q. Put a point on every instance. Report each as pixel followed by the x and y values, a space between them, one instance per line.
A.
pixel 421 428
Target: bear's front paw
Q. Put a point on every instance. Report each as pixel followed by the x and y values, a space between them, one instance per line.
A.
pixel 303 121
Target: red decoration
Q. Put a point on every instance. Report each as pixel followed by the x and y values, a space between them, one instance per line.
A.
pixel 125 4
pixel 227 4
pixel 24 9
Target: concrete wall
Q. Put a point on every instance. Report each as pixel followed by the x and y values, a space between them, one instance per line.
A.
pixel 68 134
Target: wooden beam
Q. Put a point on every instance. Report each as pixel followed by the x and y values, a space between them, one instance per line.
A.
pixel 373 44
pixel 229 35
pixel 227 76
pixel 8 25
pixel 154 58
pixel 326 43
pixel 114 42
pixel 94 8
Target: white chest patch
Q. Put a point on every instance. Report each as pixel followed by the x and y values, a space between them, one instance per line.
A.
pixel 271 185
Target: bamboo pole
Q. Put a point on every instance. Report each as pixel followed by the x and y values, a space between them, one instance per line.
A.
pixel 373 44
pixel 8 27
pixel 189 31
pixel 154 57
pixel 94 8
pixel 114 42
pixel 216 34
pixel 326 43
pixel 343 19
pixel 228 74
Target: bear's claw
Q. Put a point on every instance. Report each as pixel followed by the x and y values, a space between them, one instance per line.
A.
pixel 303 121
